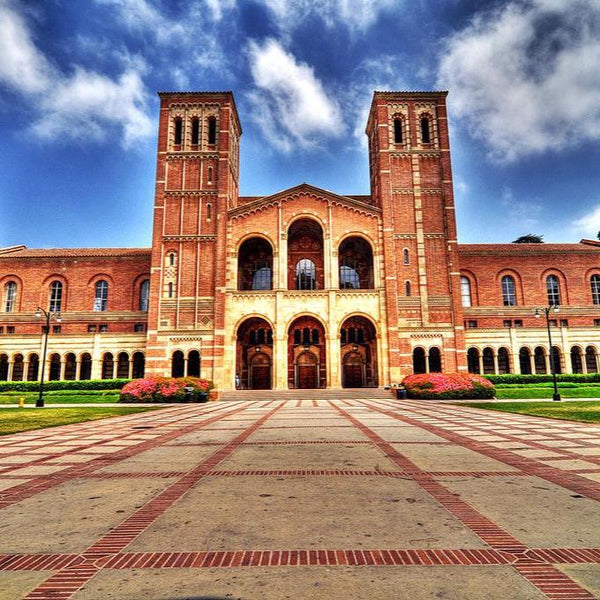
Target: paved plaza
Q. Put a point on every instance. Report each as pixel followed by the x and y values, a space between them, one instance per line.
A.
pixel 302 499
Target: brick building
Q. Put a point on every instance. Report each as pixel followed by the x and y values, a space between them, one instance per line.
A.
pixel 304 288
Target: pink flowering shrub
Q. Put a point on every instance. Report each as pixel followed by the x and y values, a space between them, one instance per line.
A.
pixel 164 389
pixel 440 386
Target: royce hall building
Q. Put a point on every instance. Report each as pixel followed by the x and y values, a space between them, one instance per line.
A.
pixel 305 288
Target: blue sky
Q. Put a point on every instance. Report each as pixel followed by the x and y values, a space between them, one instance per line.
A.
pixel 78 105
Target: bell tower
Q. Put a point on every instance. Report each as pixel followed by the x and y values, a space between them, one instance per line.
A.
pixel 197 181
pixel 411 181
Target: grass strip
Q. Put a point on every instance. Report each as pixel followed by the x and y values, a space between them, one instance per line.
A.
pixel 522 393
pixel 583 412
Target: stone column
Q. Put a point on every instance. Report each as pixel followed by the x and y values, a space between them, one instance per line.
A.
pixel 78 369
pixel 496 371
pixel 280 360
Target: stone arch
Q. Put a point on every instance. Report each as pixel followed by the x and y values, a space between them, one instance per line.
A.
pixel 306 338
pixel 306 256
pixel 254 353
pixel 358 352
pixel 255 264
pixel 356 263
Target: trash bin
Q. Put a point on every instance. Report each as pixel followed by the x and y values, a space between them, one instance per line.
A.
pixel 401 392
pixel 190 393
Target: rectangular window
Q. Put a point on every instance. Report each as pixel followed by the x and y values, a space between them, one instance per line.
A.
pixel 92 328
pixel 139 327
pixel 10 329
pixel 103 327
pixel 1 330
pixel 518 323
pixel 56 329
pixel 471 324
pixel 507 323
pixel 553 323
pixel 596 322
pixel 564 323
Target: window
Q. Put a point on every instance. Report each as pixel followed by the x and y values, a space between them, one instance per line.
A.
pixel 208 212
pixel 101 296
pixel 405 256
pixel 103 327
pixel 178 131
pixel 210 174
pixel 306 274
pixel 56 328
pixel 212 130
pixel 407 288
pixel 349 277
pixel 170 289
pixel 596 322
pixel 425 130
pixel 595 284
pixel 398 137
pixel 144 294
pixel 138 327
pixel 518 322
pixel 172 259
pixel 553 290
pixel 56 290
pixel 261 278
pixel 10 295
pixel 553 323
pixel 509 297
pixel 195 131
pixel 92 328
pixel 564 322
pixel 465 291
pixel 1 329
pixel 507 323
pixel 471 324
pixel 10 329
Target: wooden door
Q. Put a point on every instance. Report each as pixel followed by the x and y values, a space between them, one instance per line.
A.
pixel 307 369
pixel 261 378
pixel 353 376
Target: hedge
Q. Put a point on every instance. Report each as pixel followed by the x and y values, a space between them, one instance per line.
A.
pixel 88 384
pixel 446 386
pixel 515 378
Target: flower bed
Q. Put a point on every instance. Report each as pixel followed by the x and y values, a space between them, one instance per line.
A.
pixel 166 389
pixel 441 386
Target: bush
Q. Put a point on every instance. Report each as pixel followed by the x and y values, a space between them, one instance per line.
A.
pixel 514 378
pixel 88 384
pixel 441 386
pixel 165 389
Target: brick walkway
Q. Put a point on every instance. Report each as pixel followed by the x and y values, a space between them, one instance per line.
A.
pixel 302 499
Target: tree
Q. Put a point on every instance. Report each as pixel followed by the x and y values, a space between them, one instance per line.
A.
pixel 598 235
pixel 530 238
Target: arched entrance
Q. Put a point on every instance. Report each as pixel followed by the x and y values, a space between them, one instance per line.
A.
pixel 358 350
pixel 254 355
pixel 307 364
pixel 305 256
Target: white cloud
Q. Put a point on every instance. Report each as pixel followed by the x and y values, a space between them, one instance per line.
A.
pixel 588 225
pixel 522 213
pixel 217 7
pixel 290 104
pixel 78 105
pixel 526 76
pixel 356 15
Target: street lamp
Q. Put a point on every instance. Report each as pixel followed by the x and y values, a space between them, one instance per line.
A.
pixel 48 314
pixel 546 310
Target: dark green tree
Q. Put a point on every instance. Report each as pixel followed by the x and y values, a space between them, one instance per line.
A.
pixel 530 238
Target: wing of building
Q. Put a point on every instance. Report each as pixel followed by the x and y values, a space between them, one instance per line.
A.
pixel 305 288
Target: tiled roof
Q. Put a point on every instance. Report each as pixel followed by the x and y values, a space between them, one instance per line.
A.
pixel 72 252
pixel 527 248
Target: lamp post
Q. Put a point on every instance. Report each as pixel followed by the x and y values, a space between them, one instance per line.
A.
pixel 546 310
pixel 48 314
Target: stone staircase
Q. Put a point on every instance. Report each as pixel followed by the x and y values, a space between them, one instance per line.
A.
pixel 327 394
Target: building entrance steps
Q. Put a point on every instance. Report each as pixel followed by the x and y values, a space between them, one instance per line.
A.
pixel 310 394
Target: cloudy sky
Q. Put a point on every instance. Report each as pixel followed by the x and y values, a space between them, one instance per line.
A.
pixel 78 104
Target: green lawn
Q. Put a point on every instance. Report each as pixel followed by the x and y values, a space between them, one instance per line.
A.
pixel 62 397
pixel 585 412
pixel 13 420
pixel 529 391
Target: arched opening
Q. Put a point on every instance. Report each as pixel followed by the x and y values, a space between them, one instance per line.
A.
pixel 419 361
pixel 465 291
pixel 195 137
pixel 539 360
pixel 85 369
pixel 123 365
pixel 358 351
pixel 503 361
pixel 3 367
pixel 255 265
pixel 101 296
pixel 473 360
pixel 307 364
pixel 177 364
pixel 305 256
pixel 193 369
pixel 356 264
pixel 70 367
pixel 576 362
pixel 10 296
pixel 595 287
pixel 212 131
pixel 56 294
pixel 556 359
pixel 54 367
pixel 525 361
pixel 398 133
pixel 488 361
pixel 435 360
pixel 553 290
pixel 254 355
pixel 17 374
pixel 144 298
pixel 33 370
pixel 139 365
pixel 509 294
pixel 591 362
pixel 108 365
pixel 425 130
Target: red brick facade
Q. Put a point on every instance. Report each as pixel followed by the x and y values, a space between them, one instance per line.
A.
pixel 221 264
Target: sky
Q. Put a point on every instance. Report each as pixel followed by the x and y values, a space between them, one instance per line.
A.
pixel 79 111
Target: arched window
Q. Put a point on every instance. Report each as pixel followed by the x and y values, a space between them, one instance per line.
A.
pixel 33 370
pixel 139 365
pixel 419 361
pixel 85 369
pixel 54 367
pixel 3 367
pixel 212 130
pixel 405 256
pixel 539 360
pixel 488 362
pixel 70 367
pixel 306 274
pixel 108 365
pixel 473 360
pixel 553 290
pixel 101 296
pixel 407 288
pixel 210 174
pixel 425 130
pixel 525 361
pixel 465 290
pixel 595 285
pixel 435 360
pixel 193 364
pixel 178 131
pixel 556 359
pixel 255 263
pixel 17 374
pixel 123 365
pixel 177 364
pixel 144 294
pixel 349 278
pixel 509 297
pixel 172 259
pixel 56 290
pixel 398 134
pixel 10 295
pixel 576 362
pixel 170 288
pixel 591 362
pixel 208 212
pixel 356 264
pixel 195 131
pixel 503 361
